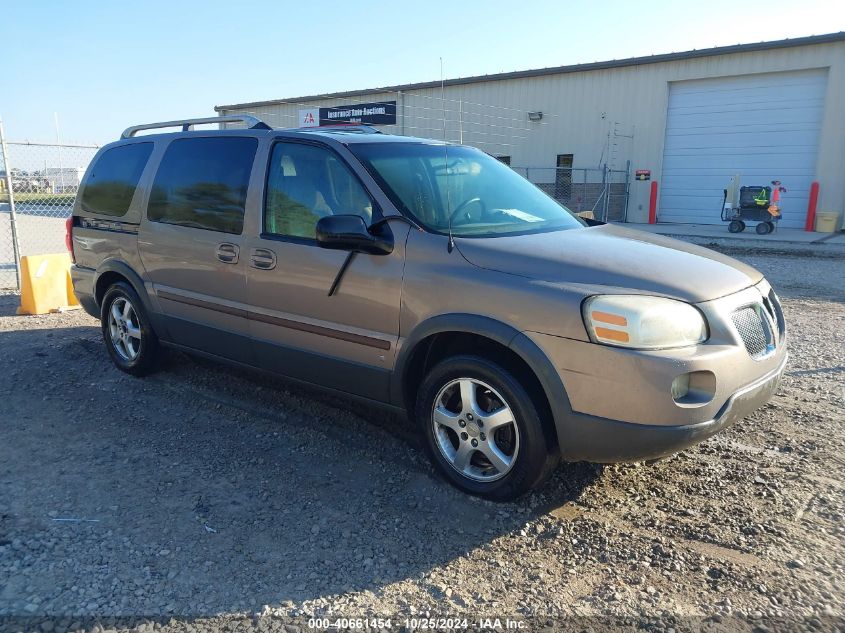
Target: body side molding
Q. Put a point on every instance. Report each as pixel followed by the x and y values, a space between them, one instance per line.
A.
pixel 349 337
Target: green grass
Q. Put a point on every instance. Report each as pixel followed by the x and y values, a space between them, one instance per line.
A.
pixel 50 198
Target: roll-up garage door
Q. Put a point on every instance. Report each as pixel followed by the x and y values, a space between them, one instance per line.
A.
pixel 763 127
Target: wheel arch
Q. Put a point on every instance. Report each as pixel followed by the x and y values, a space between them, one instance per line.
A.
pixel 446 335
pixel 113 270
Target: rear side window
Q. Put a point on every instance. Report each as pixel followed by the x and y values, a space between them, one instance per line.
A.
pixel 114 178
pixel 202 183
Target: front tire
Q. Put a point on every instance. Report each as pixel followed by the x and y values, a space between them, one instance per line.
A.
pixel 482 428
pixel 130 340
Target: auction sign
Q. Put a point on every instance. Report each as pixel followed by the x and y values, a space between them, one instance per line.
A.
pixel 380 113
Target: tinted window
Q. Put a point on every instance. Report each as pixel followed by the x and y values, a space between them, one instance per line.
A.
pixel 114 178
pixel 202 183
pixel 306 183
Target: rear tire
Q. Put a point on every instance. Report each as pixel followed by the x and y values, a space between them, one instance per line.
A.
pixel 494 446
pixel 129 338
pixel 736 226
pixel 764 228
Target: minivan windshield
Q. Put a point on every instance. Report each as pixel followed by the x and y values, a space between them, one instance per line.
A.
pixel 432 183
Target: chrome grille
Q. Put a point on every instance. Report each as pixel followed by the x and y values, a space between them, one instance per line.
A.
pixel 754 330
pixel 772 304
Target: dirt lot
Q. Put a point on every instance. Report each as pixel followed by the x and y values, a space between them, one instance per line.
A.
pixel 201 497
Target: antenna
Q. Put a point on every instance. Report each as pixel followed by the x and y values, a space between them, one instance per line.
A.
pixel 446 156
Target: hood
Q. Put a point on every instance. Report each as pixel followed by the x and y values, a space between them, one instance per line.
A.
pixel 614 256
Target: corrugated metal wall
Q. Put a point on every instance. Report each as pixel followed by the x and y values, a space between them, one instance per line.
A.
pixel 611 115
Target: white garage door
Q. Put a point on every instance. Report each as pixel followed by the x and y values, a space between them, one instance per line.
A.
pixel 764 127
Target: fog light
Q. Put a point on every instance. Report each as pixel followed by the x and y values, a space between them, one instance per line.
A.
pixel 680 387
pixel 694 389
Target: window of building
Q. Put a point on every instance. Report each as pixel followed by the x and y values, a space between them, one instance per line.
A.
pixel 111 185
pixel 504 159
pixel 306 183
pixel 563 177
pixel 202 183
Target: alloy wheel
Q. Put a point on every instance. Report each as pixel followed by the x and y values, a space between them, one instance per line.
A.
pixel 125 329
pixel 475 429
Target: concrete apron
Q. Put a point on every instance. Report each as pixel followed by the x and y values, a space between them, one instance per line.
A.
pixel 805 242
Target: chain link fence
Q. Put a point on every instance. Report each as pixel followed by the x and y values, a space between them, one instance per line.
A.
pixel 602 191
pixel 38 184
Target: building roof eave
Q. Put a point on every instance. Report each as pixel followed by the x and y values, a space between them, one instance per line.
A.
pixel 556 70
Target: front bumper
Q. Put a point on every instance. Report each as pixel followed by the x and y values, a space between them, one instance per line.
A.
pixel 615 404
pixel 589 438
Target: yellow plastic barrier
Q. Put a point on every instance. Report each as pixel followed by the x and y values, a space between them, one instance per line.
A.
pixel 45 284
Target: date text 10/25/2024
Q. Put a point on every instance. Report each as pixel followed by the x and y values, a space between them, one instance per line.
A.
pixel 416 624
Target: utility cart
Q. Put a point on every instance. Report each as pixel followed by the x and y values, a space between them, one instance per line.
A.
pixel 753 204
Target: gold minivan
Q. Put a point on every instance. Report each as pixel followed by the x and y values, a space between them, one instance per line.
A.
pixel 427 277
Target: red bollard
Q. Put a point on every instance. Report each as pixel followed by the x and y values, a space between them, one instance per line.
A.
pixel 811 207
pixel 652 204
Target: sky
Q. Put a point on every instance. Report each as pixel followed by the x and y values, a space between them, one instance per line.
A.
pixel 99 67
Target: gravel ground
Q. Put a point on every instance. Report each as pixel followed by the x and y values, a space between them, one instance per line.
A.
pixel 203 497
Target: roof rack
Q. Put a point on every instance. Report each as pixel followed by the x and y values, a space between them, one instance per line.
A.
pixel 252 122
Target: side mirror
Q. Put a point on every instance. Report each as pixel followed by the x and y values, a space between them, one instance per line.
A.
pixel 350 233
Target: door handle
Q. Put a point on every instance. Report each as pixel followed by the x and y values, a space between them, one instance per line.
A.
pixel 262 258
pixel 228 253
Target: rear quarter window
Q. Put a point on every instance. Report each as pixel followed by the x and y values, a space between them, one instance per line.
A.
pixel 202 183
pixel 113 179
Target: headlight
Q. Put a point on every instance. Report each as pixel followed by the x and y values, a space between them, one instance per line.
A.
pixel 643 322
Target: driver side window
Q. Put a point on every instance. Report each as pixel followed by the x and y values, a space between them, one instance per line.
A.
pixel 306 183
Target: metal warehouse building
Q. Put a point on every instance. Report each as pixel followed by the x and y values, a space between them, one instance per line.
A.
pixel 688 121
